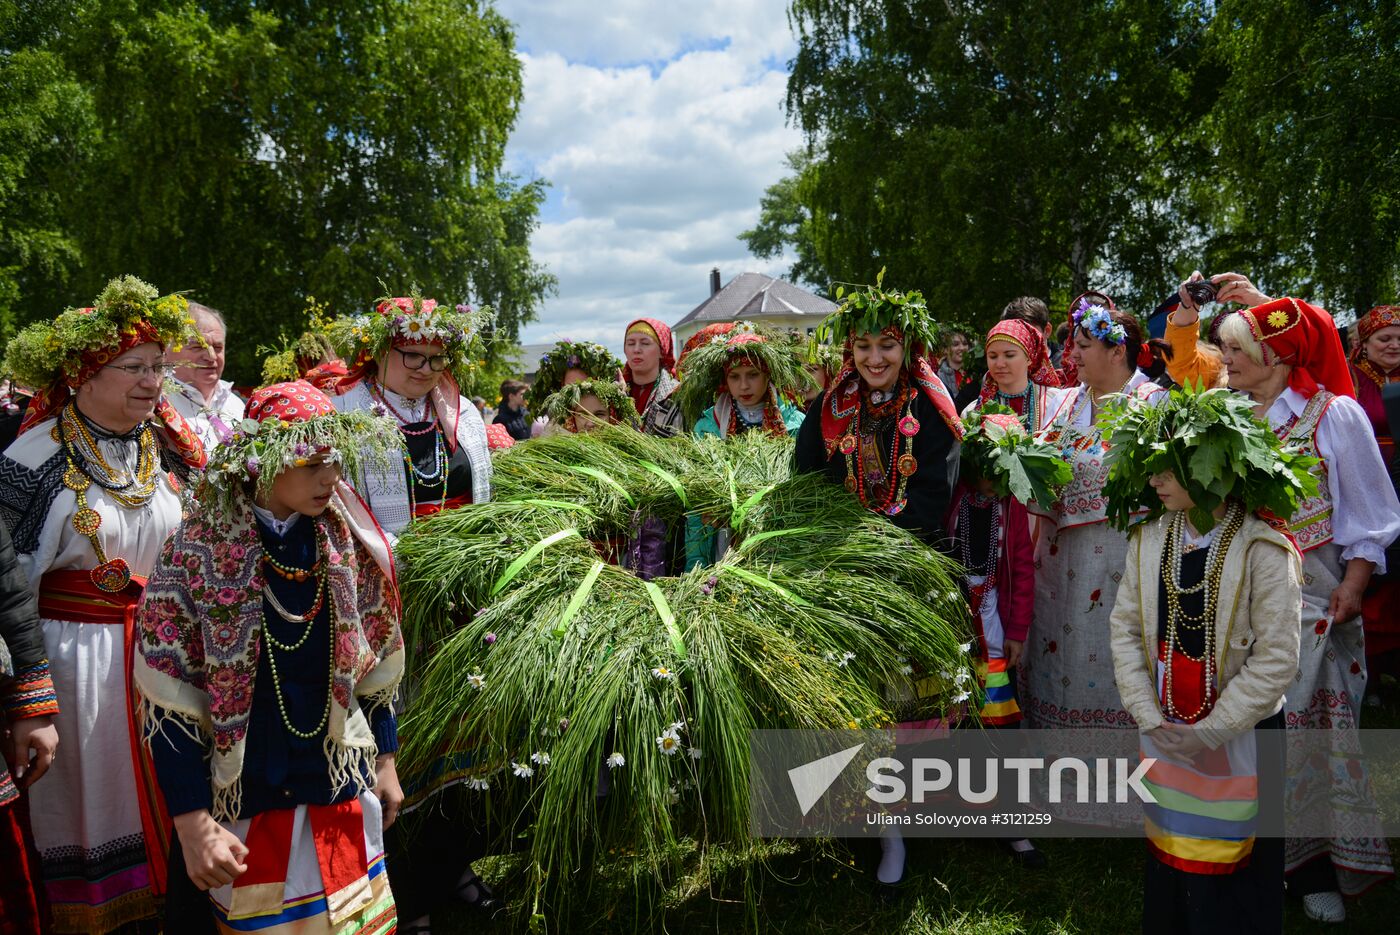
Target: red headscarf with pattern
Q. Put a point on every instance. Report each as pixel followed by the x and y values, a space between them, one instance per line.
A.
pixel 1304 337
pixel 662 334
pixel 700 337
pixel 179 437
pixel 1032 342
pixel 1382 316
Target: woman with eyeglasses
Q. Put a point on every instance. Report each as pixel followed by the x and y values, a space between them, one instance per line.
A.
pixel 406 355
pixel 89 491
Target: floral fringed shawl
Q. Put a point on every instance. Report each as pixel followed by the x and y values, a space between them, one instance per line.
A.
pixel 201 621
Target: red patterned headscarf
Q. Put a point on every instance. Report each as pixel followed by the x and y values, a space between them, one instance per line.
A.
pixel 843 396
pixel 662 335
pixel 1382 316
pixel 48 400
pixel 295 401
pixel 1305 338
pixel 1032 342
pixel 700 337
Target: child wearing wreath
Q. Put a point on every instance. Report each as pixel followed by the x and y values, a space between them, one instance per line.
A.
pixel 269 656
pixel 1003 468
pixel 1205 637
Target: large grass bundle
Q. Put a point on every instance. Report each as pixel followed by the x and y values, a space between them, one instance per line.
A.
pixel 561 673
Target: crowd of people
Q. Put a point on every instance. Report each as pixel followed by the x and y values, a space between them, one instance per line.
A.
pixel 198 593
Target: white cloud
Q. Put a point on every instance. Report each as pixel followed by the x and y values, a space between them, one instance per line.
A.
pixel 659 126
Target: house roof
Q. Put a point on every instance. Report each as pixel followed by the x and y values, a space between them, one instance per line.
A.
pixel 753 295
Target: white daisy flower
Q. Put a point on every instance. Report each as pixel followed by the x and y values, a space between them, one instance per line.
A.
pixel 677 726
pixel 966 647
pixel 521 770
pixel 662 673
pixel 962 696
pixel 673 794
pixel 669 743
pixel 694 753
pixel 829 656
pixel 539 758
pixel 476 680
pixel 478 785
pixel 962 676
pixel 616 760
pixel 845 658
pixel 906 670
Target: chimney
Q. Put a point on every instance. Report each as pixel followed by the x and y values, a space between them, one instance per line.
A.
pixel 714 280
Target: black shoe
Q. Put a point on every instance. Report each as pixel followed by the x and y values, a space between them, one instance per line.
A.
pixel 1032 859
pixel 475 893
pixel 889 893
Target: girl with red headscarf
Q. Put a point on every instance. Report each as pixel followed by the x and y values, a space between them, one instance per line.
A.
pixel 1287 356
pixel 89 492
pixel 1019 374
pixel 650 375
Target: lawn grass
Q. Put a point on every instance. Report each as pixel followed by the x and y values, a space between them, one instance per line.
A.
pixel 953 887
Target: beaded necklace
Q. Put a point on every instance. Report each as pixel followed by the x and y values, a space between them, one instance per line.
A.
pixel 861 464
pixel 85 464
pixel 1027 411
pixel 1177 618
pixel 308 618
pixel 379 394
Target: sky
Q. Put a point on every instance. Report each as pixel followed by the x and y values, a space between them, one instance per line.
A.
pixel 658 126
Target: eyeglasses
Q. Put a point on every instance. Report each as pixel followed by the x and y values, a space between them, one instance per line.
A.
pixel 141 371
pixel 415 361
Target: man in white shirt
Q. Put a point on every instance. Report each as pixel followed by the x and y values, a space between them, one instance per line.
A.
pixel 197 390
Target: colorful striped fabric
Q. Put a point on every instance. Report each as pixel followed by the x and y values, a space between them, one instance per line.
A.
pixel 999 700
pixel 31 693
pixel 1205 815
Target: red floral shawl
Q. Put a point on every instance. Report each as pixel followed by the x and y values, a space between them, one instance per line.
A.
pixel 200 624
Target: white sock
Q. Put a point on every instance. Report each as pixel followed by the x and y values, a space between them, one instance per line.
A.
pixel 891 857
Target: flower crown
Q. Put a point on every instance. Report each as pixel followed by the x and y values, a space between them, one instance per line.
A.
pixel 563 404
pixel 412 319
pixel 259 451
pixel 593 359
pixel 1098 323
pixel 47 352
pixel 707 365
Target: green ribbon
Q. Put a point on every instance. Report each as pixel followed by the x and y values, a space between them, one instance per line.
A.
pixel 669 478
pixel 758 537
pixel 514 567
pixel 663 610
pixel 742 509
pixel 604 477
pixel 763 582
pixel 580 595
pixel 558 504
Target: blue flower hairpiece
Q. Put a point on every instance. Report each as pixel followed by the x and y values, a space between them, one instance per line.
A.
pixel 1098 323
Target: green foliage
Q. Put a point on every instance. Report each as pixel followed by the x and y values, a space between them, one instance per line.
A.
pixel 871 309
pixel 545 661
pixel 984 151
pixel 705 368
pixel 1214 445
pixel 254 153
pixel 1017 463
